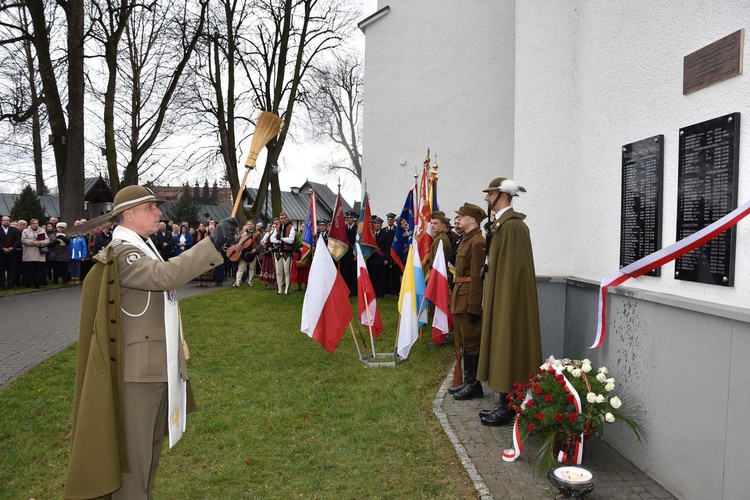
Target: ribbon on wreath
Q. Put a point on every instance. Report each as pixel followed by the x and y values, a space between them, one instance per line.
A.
pixel 509 455
pixel 658 259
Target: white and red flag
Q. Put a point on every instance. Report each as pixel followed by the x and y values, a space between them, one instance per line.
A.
pixel 366 298
pixel 438 293
pixel 326 310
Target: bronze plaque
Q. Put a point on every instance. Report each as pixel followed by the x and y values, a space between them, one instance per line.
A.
pixel 713 63
pixel 707 181
pixel 640 217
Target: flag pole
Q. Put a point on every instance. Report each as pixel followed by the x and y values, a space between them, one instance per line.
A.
pixel 355 340
pixel 369 324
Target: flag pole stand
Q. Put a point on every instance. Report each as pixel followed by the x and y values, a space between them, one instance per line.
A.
pixel 379 359
pixel 356 344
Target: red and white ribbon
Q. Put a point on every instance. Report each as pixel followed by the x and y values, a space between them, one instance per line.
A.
pixel 658 259
pixel 510 454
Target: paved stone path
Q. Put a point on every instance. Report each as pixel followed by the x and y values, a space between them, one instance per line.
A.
pixel 38 325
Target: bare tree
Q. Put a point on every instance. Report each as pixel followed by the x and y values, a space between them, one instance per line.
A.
pixel 20 100
pixel 65 118
pixel 144 79
pixel 334 104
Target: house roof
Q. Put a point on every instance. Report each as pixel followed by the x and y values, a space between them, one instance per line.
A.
pixel 95 190
pixel 297 201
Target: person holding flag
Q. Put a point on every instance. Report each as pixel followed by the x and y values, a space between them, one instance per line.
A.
pixel 466 299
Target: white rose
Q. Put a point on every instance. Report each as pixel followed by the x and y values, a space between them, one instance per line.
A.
pixel 557 362
pixel 544 367
pixel 570 368
pixel 590 397
pixel 586 368
pixel 615 402
pixel 609 387
pixel 600 398
pixel 610 381
pixel 603 370
pixel 601 377
pixel 586 362
pixel 577 372
pixel 609 417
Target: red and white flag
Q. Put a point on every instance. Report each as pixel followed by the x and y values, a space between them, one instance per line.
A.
pixel 368 311
pixel 326 309
pixel 438 293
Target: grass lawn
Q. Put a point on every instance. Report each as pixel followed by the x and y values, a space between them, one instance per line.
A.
pixel 278 416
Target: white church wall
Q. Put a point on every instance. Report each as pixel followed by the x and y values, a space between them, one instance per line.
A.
pixel 627 85
pixel 438 75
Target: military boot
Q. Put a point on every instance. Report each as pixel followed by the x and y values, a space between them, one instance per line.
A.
pixel 473 387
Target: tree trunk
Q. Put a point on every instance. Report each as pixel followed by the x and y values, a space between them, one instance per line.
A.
pixel 70 181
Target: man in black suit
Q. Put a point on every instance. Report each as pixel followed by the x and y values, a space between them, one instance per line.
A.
pixel 164 241
pixel 376 263
pixel 10 247
pixel 348 262
pixel 393 285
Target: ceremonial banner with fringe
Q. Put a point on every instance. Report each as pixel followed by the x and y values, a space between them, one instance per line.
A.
pixel 338 241
pixel 402 239
pixel 366 229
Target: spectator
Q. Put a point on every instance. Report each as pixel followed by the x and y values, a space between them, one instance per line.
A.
pixel 78 252
pixel 35 247
pixel 182 241
pixel 10 244
pixel 58 257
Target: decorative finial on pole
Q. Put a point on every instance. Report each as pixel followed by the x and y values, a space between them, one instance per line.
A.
pixel 435 165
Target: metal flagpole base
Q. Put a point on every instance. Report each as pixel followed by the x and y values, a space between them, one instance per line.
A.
pixel 381 359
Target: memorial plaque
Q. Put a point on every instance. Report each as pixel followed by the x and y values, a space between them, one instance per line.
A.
pixel 641 202
pixel 707 191
pixel 713 63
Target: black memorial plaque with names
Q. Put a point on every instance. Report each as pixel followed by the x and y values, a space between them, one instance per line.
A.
pixel 641 202
pixel 707 191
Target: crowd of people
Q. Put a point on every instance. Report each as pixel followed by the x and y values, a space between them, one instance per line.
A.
pixel 36 254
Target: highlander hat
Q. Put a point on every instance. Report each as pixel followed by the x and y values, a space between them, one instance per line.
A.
pixel 504 185
pixel 130 197
pixel 472 211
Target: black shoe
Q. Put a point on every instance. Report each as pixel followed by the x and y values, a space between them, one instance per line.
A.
pixel 494 409
pixel 502 416
pixel 453 390
pixel 472 390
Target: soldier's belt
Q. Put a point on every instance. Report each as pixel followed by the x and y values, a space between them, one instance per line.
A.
pixel 462 279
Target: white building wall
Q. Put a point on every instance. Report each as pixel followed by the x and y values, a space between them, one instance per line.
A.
pixel 438 75
pixel 624 84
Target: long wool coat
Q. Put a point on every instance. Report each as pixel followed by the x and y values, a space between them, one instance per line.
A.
pixel 98 443
pixel 511 346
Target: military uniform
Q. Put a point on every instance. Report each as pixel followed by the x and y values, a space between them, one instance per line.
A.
pixel 129 347
pixel 466 302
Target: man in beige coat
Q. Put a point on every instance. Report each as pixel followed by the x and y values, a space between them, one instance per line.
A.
pixel 131 380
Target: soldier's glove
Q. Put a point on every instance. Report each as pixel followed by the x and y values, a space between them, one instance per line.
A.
pixel 482 272
pixel 474 318
pixel 224 234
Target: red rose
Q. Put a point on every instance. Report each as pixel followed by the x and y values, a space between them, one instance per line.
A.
pixel 570 398
pixel 559 418
pixel 509 396
pixel 511 405
pixel 561 382
pixel 528 385
pixel 540 416
pixel 530 427
pixel 531 376
pixel 538 390
pixel 518 409
pixel 548 398
pixel 530 403
pixel 572 417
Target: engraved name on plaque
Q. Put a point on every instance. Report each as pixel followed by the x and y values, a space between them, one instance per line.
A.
pixel 641 202
pixel 707 191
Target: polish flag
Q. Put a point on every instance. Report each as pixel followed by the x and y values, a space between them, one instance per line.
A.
pixel 438 293
pixel 326 309
pixel 368 313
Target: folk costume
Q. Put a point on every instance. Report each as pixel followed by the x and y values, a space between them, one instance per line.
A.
pixel 131 366
pixel 283 239
pixel 511 339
